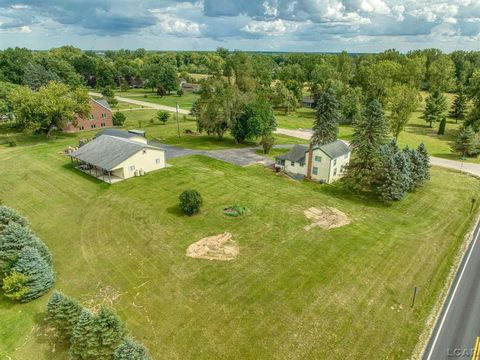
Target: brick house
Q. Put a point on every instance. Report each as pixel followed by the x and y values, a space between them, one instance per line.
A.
pixel 100 117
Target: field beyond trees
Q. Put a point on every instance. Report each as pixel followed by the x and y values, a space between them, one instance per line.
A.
pixel 290 293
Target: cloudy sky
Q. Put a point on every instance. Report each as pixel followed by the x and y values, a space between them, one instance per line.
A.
pixel 272 25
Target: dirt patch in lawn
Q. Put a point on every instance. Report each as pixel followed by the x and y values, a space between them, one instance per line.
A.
pixel 326 218
pixel 219 247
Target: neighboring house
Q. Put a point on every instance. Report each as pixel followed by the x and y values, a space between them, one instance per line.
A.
pixel 190 87
pixel 100 116
pixel 114 158
pixel 308 102
pixel 328 161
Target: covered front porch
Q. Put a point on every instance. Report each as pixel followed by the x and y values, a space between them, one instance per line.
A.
pixel 96 172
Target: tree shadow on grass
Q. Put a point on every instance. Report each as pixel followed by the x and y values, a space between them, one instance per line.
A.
pixel 71 168
pixel 175 210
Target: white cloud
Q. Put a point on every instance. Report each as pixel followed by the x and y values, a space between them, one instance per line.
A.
pixel 270 28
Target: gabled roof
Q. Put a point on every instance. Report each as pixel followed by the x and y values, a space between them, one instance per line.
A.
pixel 296 154
pixel 116 132
pixel 104 103
pixel 107 152
pixel 334 149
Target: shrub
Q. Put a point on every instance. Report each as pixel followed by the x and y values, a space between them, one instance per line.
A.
pixel 15 285
pixel 118 118
pixel 180 92
pixel 11 143
pixel 190 202
pixel 163 116
pixel 8 214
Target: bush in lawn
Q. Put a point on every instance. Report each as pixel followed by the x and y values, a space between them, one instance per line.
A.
pixel 15 286
pixel 118 118
pixel 234 210
pixel 63 313
pixel 180 92
pixel 11 143
pixel 131 350
pixel 190 202
pixel 8 214
pixel 14 237
pixel 441 128
pixel 39 273
pixel 163 116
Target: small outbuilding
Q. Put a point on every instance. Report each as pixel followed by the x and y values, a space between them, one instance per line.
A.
pixel 326 164
pixel 113 158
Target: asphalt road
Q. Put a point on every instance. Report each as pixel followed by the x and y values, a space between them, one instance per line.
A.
pixel 458 326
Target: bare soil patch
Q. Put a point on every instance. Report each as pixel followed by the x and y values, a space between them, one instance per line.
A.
pixel 326 218
pixel 219 247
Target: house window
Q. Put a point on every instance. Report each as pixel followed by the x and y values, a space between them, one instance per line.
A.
pixel 104 115
pixel 301 164
pixel 334 172
pixel 334 162
pixel 92 117
pixel 315 170
pixel 132 167
pixel 157 161
pixel 318 158
pixel 93 126
pixel 82 128
pixel 102 124
pixel 292 163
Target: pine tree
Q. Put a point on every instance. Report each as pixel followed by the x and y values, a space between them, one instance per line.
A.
pixel 40 274
pixel 63 312
pixel 465 143
pixel 109 332
pixel 8 214
pixel 370 133
pixel 441 128
pixel 389 187
pixel 459 107
pixel 131 350
pixel 14 237
pixel 424 158
pixel 417 169
pixel 325 127
pixel 82 336
pixel 435 107
pixel 402 161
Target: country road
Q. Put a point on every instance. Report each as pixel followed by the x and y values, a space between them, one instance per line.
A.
pixel 467 167
pixel 145 104
pixel 458 326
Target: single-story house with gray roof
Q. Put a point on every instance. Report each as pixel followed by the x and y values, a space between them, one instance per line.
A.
pixel 114 158
pixel 327 163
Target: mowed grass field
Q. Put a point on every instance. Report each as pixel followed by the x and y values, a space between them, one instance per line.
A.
pixel 185 101
pixel 290 294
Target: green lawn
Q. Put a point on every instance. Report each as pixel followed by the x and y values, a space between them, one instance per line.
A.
pixel 322 294
pixel 184 102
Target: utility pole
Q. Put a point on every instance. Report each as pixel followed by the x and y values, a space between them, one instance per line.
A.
pixel 178 125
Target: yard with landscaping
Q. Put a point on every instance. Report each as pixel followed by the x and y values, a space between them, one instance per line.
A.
pixel 289 293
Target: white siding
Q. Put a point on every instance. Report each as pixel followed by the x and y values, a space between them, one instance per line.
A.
pixel 145 160
pixel 295 168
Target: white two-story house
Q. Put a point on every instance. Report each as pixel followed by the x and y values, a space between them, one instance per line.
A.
pixel 328 161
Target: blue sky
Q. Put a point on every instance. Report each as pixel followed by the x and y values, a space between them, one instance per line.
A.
pixel 272 25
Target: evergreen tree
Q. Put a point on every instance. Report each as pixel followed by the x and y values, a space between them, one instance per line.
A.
pixel 109 332
pixel 40 274
pixel 131 350
pixel 8 214
pixel 466 143
pixel 389 186
pixel 424 159
pixel 83 337
pixel 435 107
pixel 370 133
pixel 459 107
pixel 64 313
pixel 14 237
pixel 417 169
pixel 402 161
pixel 325 127
pixel 443 125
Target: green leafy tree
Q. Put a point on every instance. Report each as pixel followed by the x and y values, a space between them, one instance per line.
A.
pixel 39 273
pixel 442 127
pixel 163 116
pixel 441 74
pixel 325 126
pixel 131 350
pixel 459 107
pixel 118 118
pixel 267 143
pixel 435 107
pixel 8 215
pixel 284 98
pixel 190 202
pixel 83 340
pixel 15 237
pixel 257 119
pixel 370 132
pixel 15 286
pixel 466 142
pixel 402 102
pixel 351 105
pixel 63 313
